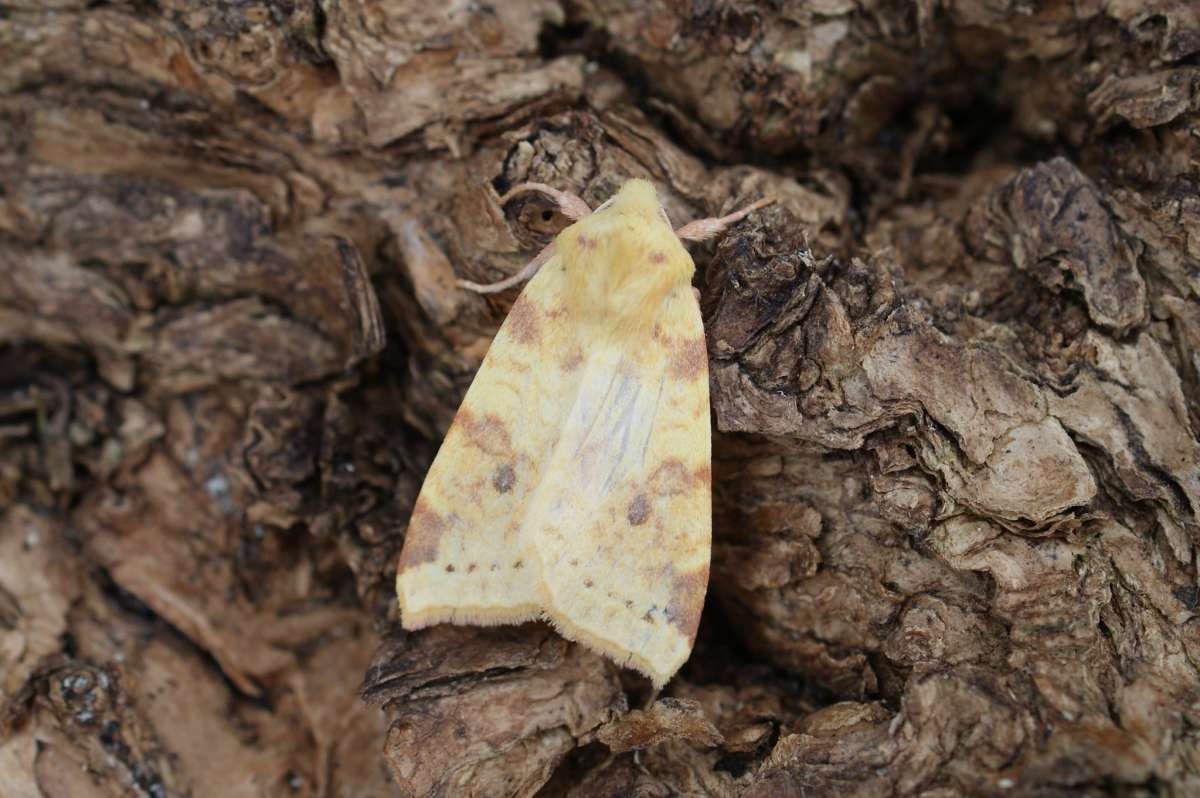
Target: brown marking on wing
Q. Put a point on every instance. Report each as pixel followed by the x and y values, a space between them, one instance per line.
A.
pixel 573 361
pixel 425 530
pixel 703 474
pixel 638 511
pixel 509 363
pixel 504 478
pixel 671 478
pixel 523 322
pixel 687 602
pixel 658 257
pixel 662 538
pixel 585 242
pixel 689 359
pixel 488 434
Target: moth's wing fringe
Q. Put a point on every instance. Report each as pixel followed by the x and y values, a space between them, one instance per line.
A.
pixel 620 655
pixel 472 616
pixel 484 616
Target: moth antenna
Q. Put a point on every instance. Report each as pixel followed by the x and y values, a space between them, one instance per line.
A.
pixel 572 207
pixel 527 271
pixel 703 229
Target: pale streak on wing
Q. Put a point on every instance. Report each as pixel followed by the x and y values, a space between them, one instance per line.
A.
pixel 465 559
pixel 623 518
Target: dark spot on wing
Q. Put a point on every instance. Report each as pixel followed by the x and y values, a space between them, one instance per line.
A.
pixel 658 257
pixel 518 565
pixel 504 479
pixel 425 530
pixel 573 360
pixel 449 569
pixel 638 511
pixel 588 583
pixel 687 601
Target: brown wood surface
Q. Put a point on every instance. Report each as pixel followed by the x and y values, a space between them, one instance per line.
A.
pixel 955 374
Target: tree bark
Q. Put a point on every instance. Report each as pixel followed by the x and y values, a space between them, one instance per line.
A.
pixel 955 377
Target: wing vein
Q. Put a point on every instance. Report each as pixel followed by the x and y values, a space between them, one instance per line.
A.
pixel 624 423
pixel 653 420
pixel 583 439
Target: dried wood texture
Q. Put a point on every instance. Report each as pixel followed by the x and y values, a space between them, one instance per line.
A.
pixel 955 376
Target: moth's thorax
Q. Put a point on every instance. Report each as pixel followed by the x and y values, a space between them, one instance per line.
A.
pixel 624 263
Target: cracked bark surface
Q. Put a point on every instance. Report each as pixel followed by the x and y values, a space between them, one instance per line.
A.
pixel 955 378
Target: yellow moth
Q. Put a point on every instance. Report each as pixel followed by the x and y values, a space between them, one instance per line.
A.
pixel 574 484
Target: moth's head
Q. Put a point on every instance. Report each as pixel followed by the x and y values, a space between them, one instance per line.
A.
pixel 636 194
pixel 637 198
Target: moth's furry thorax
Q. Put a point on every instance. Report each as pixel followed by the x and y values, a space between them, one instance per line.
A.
pixel 624 263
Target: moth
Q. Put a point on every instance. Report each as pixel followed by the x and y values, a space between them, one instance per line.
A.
pixel 574 484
